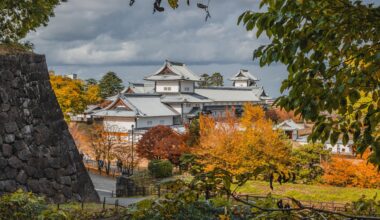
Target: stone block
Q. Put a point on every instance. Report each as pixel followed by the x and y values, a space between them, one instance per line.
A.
pixel 22 177
pixel 15 162
pixel 10 127
pixel 7 150
pixel 9 138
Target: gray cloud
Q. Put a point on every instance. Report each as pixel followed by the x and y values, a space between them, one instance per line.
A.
pixel 90 37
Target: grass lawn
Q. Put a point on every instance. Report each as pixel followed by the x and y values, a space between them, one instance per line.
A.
pixel 308 192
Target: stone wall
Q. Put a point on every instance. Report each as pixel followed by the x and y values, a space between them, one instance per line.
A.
pixel 37 152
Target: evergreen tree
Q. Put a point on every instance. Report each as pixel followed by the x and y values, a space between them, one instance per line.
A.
pixel 110 84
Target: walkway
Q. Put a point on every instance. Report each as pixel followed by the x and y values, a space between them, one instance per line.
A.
pixel 106 187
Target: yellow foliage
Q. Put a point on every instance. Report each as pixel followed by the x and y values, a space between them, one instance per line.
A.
pixel 242 145
pixel 72 95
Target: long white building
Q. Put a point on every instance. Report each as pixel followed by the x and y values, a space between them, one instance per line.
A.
pixel 171 97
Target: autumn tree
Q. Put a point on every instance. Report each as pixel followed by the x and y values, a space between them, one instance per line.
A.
pixel 278 115
pixel 72 95
pixel 123 152
pixel 171 148
pixel 110 85
pixel 245 145
pixel 346 172
pixel 104 139
pixel 161 142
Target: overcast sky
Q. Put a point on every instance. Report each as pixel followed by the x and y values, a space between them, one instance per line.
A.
pixel 91 37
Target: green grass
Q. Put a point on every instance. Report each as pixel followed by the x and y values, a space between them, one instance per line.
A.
pixel 308 192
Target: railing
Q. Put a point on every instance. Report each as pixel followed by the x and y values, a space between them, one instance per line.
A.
pixel 330 206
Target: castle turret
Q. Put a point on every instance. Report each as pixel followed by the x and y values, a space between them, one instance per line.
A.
pixel 244 79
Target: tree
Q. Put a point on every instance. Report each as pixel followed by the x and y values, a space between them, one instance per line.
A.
pixel 110 85
pixel 123 152
pixel 171 148
pixel 204 80
pixel 307 161
pixel 18 18
pixel 104 139
pixel 351 173
pixel 193 133
pixel 332 53
pixel 278 115
pixel 91 81
pixel 216 79
pixel 92 94
pixel 240 146
pixel 72 95
pixel 161 142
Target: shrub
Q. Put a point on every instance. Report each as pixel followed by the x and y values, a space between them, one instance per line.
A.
pixel 21 205
pixel 353 173
pixel 160 168
pixel 307 160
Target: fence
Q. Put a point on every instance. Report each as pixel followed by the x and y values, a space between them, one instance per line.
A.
pixel 329 206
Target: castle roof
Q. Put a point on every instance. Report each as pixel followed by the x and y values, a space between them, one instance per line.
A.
pixel 142 105
pixel 244 75
pixel 173 71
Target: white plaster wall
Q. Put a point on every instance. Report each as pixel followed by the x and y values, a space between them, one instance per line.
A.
pixel 339 148
pixel 164 120
pixel 177 107
pixel 187 84
pixel 160 85
pixel 240 83
pixel 118 124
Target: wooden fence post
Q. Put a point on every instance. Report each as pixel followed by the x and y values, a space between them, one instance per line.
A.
pixel 116 204
pixel 104 203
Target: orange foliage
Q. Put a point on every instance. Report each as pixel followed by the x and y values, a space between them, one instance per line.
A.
pixel 162 142
pixel 242 145
pixel 279 115
pixel 349 172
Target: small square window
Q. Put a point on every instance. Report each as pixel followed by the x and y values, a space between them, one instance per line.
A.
pixel 187 89
pixel 149 122
pixel 162 121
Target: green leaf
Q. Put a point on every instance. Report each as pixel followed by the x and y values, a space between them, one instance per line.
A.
pixel 173 3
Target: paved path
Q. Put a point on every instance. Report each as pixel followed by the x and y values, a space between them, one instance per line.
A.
pixel 106 186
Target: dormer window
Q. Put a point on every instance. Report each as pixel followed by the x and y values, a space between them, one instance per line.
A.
pixel 187 89
pixel 166 88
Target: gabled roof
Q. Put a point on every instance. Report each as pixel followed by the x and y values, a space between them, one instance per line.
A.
pixel 289 125
pixel 173 71
pixel 139 88
pixel 184 98
pixel 141 105
pixel 230 94
pixel 244 75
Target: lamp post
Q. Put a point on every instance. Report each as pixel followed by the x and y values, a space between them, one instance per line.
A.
pixel 132 148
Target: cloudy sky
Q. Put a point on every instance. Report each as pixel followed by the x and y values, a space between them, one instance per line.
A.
pixel 91 37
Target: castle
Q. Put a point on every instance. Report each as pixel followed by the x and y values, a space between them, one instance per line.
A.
pixel 172 98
